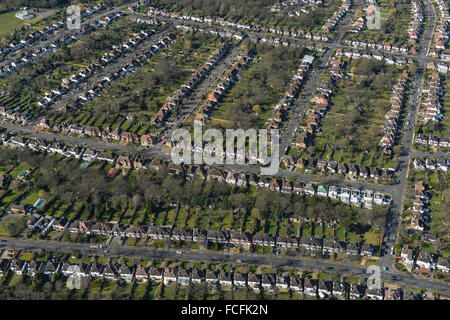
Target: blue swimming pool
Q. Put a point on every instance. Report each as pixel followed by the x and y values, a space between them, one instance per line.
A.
pixel 23 173
pixel 39 203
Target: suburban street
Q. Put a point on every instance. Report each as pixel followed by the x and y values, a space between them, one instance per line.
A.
pixel 275 261
pixel 387 260
pixel 197 96
pixel 61 34
pixel 405 139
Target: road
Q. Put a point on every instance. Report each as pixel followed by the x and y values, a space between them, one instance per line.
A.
pixel 194 100
pixel 107 70
pixel 433 155
pixel 276 261
pixel 313 83
pixel 407 138
pixel 397 191
pixel 61 34
pixel 330 45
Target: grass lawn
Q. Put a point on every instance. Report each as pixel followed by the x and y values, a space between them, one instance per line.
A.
pixel 8 22
pixel 19 169
pixel 372 237
pixel 353 237
pixel 26 255
pixel 30 198
pixel 18 221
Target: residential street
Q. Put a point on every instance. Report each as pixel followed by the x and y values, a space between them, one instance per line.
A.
pixel 408 136
pixel 142 252
pixel 61 34
pixel 405 139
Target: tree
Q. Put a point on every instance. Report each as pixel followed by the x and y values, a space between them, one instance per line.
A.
pixel 256 108
pixel 187 44
pixel 257 214
pixel 15 226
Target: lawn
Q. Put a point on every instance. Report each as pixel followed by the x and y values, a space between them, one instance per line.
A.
pixel 252 99
pixel 395 19
pixel 8 22
pixel 372 237
pixel 31 198
pixel 353 125
pixel 20 168
pixel 12 226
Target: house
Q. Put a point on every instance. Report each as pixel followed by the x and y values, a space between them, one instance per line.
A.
pixel 352 248
pixel 338 289
pixel 156 273
pixel 286 241
pixel 366 250
pixel 218 236
pixel 374 294
pixel 295 284
pixel 61 224
pixel 239 238
pixel 109 272
pixel 407 255
pixel 141 273
pixel 310 287
pixel 231 178
pixel 105 156
pixel 282 281
pixel 324 288
pixel 268 281
pixel 322 191
pixel 169 275
pixel 211 277
pixel 309 189
pixel 443 264
pixel 333 192
pixel 126 273
pixel 183 277
pixel 123 162
pixel 356 291
pixel 240 279
pixel 34 267
pixel 225 278
pixel 51 268
pixel 333 246
pixel 392 294
pixel 96 270
pixel 312 245
pixel 254 280
pixel 263 239
pixel 286 187
pixel 425 260
pixel 274 185
pixel 4 266
pixel 18 266
pixel 197 276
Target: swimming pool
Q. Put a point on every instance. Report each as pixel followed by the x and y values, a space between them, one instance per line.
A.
pixel 84 165
pixel 22 174
pixel 39 203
